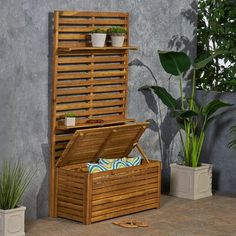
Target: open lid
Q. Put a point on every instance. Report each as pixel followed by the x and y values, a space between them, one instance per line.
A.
pixel 107 142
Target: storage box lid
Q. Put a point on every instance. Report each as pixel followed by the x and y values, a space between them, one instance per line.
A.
pixel 107 142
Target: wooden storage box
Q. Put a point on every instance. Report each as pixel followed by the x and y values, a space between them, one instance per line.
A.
pixel 90 197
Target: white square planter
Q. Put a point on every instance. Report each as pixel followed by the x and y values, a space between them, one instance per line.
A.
pixel 191 182
pixel 98 39
pixel 12 222
pixel 117 40
pixel 70 121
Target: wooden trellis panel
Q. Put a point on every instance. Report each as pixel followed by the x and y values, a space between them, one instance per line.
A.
pixel 91 82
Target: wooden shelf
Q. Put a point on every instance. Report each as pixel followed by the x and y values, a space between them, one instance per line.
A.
pixel 70 49
pixel 61 125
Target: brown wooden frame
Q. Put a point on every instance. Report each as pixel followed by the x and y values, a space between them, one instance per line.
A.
pixel 92 83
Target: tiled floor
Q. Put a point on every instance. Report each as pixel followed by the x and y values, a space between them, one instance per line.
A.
pixel 177 217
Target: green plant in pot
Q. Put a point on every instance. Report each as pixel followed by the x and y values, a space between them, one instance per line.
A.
pixel 193 121
pixel 14 179
pixel 117 35
pixel 70 119
pixel 98 37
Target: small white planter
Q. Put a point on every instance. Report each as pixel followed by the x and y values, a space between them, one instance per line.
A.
pixel 12 222
pixel 70 121
pixel 98 39
pixel 117 40
pixel 191 182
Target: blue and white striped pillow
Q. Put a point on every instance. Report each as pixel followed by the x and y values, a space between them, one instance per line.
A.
pixel 132 161
pixel 129 161
pixel 95 167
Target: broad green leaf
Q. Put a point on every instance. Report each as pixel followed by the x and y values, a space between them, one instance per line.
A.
pixel 213 106
pixel 174 63
pixel 188 114
pixel 165 97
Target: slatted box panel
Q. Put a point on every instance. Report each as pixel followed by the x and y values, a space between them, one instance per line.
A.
pixel 108 194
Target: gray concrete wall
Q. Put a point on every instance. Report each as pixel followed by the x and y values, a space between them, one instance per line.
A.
pixel 215 149
pixel 25 41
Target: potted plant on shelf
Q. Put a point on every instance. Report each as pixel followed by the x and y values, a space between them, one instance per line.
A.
pixel 14 180
pixel 70 119
pixel 117 36
pixel 98 37
pixel 190 179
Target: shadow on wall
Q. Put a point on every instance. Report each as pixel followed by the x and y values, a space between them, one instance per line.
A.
pixel 215 149
pixel 42 198
pixel 167 128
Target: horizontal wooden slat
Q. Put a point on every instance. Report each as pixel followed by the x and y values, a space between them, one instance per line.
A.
pixel 124 196
pixel 64 193
pixel 107 66
pixel 123 183
pixel 88 75
pixel 73 36
pixel 123 207
pixel 69 211
pixel 77 21
pixel 69 205
pixel 70 188
pixel 93 97
pixel 69 216
pixel 70 174
pixel 124 212
pixel 128 201
pixel 89 105
pixel 70 200
pixel 125 191
pixel 90 13
pixel 76 83
pixel 83 47
pixel 92 113
pixel 70 182
pixel 71 60
pixel 91 90
pixel 126 173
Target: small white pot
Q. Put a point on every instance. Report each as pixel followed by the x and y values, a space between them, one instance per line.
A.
pixel 70 121
pixel 12 222
pixel 191 182
pixel 117 40
pixel 98 39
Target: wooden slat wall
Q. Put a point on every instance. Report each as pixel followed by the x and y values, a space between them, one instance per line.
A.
pixel 92 84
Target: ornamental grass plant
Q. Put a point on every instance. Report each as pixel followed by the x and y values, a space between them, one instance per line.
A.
pixel 14 179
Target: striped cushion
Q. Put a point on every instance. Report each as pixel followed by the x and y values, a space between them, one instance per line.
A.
pixel 132 161
pixel 95 167
pixel 129 161
pixel 105 161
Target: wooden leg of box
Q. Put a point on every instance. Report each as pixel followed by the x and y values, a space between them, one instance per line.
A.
pixel 88 199
pixel 52 185
pixel 159 187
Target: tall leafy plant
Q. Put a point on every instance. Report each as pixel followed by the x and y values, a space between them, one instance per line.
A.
pixel 216 31
pixel 14 179
pixel 191 118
